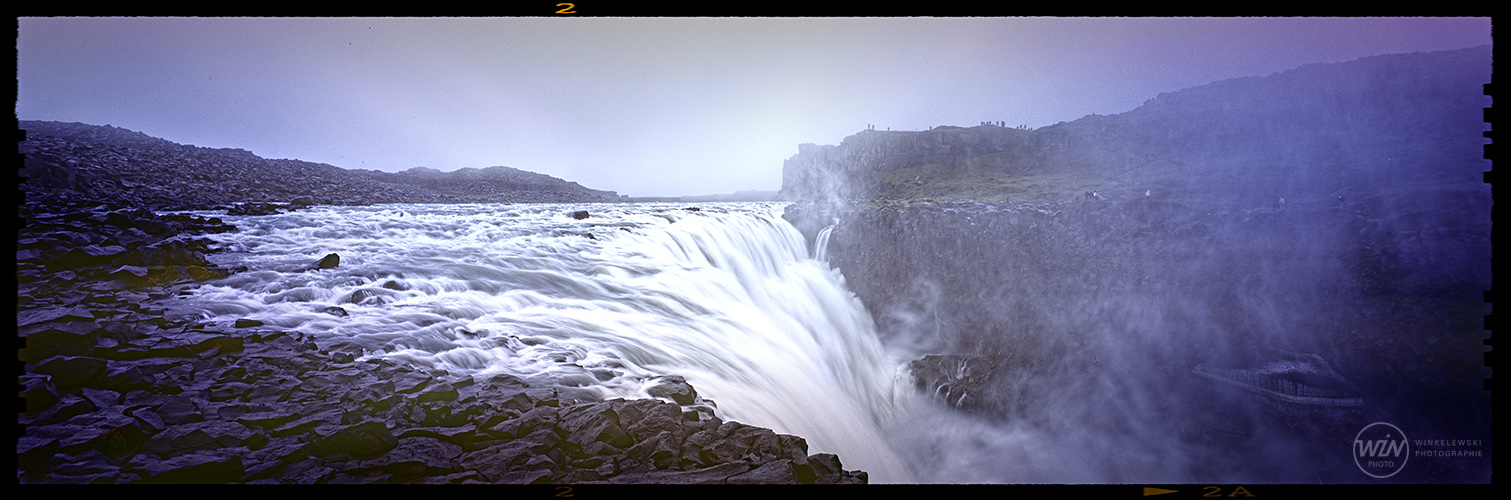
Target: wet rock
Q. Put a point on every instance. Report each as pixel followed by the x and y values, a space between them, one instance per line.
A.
pixel 268 420
pixel 75 337
pixel 360 296
pixel 580 214
pixel 53 314
pixel 365 440
pixel 70 373
pixel 190 468
pixel 496 462
pixel 827 469
pixel 414 457
pixel 675 388
pixel 777 472
pixel 960 381
pixel 148 419
pixel 738 441
pixel 586 424
pixel 256 208
pixel 329 261
pixel 717 474
pixel 102 398
pixel 410 382
pixel 466 436
pixel 86 256
pixel 311 471
pixel 39 394
pixel 207 434
pixel 650 417
pixel 437 392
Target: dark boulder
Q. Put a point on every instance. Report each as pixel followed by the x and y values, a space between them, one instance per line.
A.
pixel 414 457
pixel 586 424
pixel 328 262
pixel 777 472
pixel 580 214
pixel 38 394
pixel 191 468
pixel 62 338
pixel 961 381
pixel 826 469
pixel 496 462
pixel 71 373
pixel 203 435
pixel 47 314
pixel 365 440
pixel 675 388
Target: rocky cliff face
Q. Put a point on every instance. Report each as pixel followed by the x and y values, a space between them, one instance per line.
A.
pixel 75 160
pixel 1348 220
pixel 859 166
pixel 1308 132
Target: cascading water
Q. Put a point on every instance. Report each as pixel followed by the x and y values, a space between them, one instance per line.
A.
pixel 727 297
pixel 821 243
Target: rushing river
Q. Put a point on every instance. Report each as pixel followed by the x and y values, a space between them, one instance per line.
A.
pixel 728 296
pixel 732 298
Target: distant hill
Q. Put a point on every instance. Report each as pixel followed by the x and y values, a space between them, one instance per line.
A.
pixel 737 196
pixel 1307 133
pixel 102 162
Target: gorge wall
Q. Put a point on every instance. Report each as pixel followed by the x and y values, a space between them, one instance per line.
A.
pixel 1337 210
pixel 1376 122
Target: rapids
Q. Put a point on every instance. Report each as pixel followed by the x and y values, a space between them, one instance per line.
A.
pixel 728 296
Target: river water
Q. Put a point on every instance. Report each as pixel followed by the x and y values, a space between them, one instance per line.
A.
pixel 728 296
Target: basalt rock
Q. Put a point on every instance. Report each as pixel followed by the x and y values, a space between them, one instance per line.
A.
pixel 117 393
pixel 675 388
pixel 329 261
pixel 959 381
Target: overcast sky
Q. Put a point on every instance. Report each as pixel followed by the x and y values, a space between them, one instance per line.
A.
pixel 642 106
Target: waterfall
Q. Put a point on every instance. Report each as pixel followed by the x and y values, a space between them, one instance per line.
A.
pixel 727 297
pixel 821 244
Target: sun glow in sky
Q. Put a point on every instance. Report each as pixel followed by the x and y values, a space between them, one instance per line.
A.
pixel 642 106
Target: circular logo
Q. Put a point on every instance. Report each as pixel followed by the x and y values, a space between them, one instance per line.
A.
pixel 1381 450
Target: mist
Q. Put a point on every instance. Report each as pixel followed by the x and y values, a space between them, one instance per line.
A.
pixel 1273 264
pixel 640 106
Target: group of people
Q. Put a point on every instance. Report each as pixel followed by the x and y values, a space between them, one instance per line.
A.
pixel 1000 123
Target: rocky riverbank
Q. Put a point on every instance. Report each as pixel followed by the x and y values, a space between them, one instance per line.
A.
pixel 117 390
